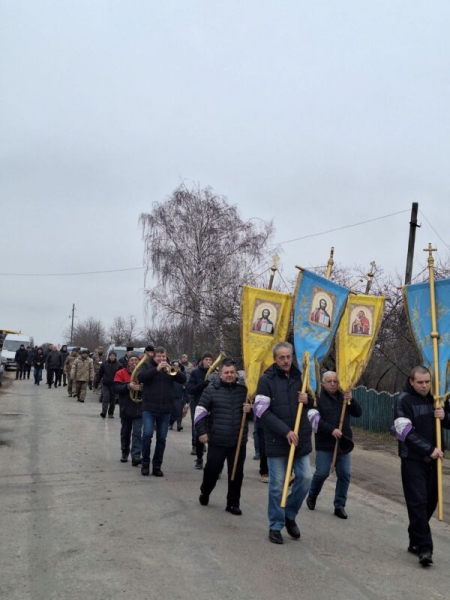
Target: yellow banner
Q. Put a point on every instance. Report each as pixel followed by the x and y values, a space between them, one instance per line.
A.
pixel 265 316
pixel 356 337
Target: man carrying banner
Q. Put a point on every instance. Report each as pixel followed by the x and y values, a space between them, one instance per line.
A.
pixel 325 424
pixel 277 398
pixel 415 428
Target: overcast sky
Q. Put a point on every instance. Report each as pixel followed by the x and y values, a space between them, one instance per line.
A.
pixel 314 114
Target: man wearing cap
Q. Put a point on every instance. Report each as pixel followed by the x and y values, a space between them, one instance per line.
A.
pixel 82 373
pixel 325 423
pixel 195 387
pixel 105 375
pixel 124 360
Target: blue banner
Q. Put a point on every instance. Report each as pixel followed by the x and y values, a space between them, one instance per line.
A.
pixel 418 312
pixel 318 307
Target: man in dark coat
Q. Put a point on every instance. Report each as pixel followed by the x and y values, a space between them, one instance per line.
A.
pixel 53 366
pixel 157 404
pixel 130 412
pixel 218 418
pixel 325 423
pixel 415 426
pixel 195 387
pixel 105 375
pixel 62 375
pixel 20 360
pixel 276 403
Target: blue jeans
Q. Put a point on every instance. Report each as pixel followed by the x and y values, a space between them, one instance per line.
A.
pixel 323 465
pixel 37 375
pixel 162 427
pixel 299 490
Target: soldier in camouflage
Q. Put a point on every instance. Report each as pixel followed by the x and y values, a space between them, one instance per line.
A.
pixel 97 359
pixel 82 373
pixel 68 368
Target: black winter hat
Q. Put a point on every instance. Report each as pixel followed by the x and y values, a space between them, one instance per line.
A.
pixel 149 348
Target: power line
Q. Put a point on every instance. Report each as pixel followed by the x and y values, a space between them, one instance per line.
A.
pixel 442 240
pixel 304 237
pixel 310 235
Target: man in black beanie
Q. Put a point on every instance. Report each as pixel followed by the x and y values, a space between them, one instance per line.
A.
pixel 195 387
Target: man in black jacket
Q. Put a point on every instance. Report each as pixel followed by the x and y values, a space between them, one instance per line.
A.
pixel 130 412
pixel 53 366
pixel 218 419
pixel 276 403
pixel 157 404
pixel 415 426
pixel 105 375
pixel 325 424
pixel 20 360
pixel 195 387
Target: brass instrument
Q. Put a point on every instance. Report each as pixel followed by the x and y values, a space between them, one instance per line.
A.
pixel 213 367
pixel 172 370
pixel 134 393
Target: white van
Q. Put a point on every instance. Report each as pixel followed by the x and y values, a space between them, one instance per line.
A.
pixel 11 344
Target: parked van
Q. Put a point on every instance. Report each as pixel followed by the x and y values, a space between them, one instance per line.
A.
pixel 11 344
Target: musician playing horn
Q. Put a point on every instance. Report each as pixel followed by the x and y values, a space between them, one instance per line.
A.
pixel 325 424
pixel 130 412
pixel 276 402
pixel 157 405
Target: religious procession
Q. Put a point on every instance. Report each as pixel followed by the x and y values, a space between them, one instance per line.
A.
pixel 292 401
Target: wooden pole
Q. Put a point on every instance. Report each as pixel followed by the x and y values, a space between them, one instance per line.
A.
pixel 436 391
pixel 273 270
pixel 341 425
pixel 370 276
pixel 300 405
pixel 411 242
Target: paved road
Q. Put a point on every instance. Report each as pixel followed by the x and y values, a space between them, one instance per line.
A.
pixel 77 524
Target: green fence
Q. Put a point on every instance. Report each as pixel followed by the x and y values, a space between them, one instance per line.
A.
pixel 378 412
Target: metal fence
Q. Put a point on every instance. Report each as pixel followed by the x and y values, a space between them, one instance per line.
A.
pixel 378 412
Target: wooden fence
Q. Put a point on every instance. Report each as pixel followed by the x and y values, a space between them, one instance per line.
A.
pixel 378 412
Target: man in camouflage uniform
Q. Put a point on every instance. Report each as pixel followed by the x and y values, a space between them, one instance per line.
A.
pixel 97 359
pixel 68 368
pixel 82 373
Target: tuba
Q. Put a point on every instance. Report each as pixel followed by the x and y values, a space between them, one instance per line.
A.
pixel 215 364
pixel 134 393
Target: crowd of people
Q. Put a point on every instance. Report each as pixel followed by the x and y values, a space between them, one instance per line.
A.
pixel 161 393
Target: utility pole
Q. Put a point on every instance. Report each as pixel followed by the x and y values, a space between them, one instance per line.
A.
pixel 412 240
pixel 71 329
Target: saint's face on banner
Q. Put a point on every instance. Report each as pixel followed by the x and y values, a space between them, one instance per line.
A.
pixel 322 307
pixel 360 320
pixel 265 316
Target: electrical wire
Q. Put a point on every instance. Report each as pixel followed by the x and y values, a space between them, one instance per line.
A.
pixel 433 228
pixel 304 237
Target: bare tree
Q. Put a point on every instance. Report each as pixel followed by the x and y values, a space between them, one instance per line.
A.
pixel 89 333
pixel 200 251
pixel 124 331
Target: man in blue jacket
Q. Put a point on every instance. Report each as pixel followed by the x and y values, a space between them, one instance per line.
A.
pixel 276 403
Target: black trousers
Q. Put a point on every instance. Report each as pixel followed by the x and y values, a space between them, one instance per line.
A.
pixel 419 480
pixel 217 455
pixel 50 373
pixel 263 466
pixel 27 371
pixel 20 371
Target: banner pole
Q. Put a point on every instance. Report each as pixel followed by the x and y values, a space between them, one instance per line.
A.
pixel 305 375
pixel 437 404
pixel 273 270
pixel 336 445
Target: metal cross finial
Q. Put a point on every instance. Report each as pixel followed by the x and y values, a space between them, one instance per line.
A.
pixel 430 251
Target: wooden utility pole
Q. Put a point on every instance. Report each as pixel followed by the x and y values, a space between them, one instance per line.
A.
pixel 71 329
pixel 412 240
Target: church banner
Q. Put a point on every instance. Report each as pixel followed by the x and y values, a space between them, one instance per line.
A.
pixel 356 337
pixel 318 307
pixel 418 312
pixel 265 318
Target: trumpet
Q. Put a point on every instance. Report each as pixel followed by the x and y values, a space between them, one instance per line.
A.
pixel 172 370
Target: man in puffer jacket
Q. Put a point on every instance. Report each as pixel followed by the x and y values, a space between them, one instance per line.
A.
pixel 325 423
pixel 53 366
pixel 218 418
pixel 82 373
pixel 105 375
pixel 277 398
